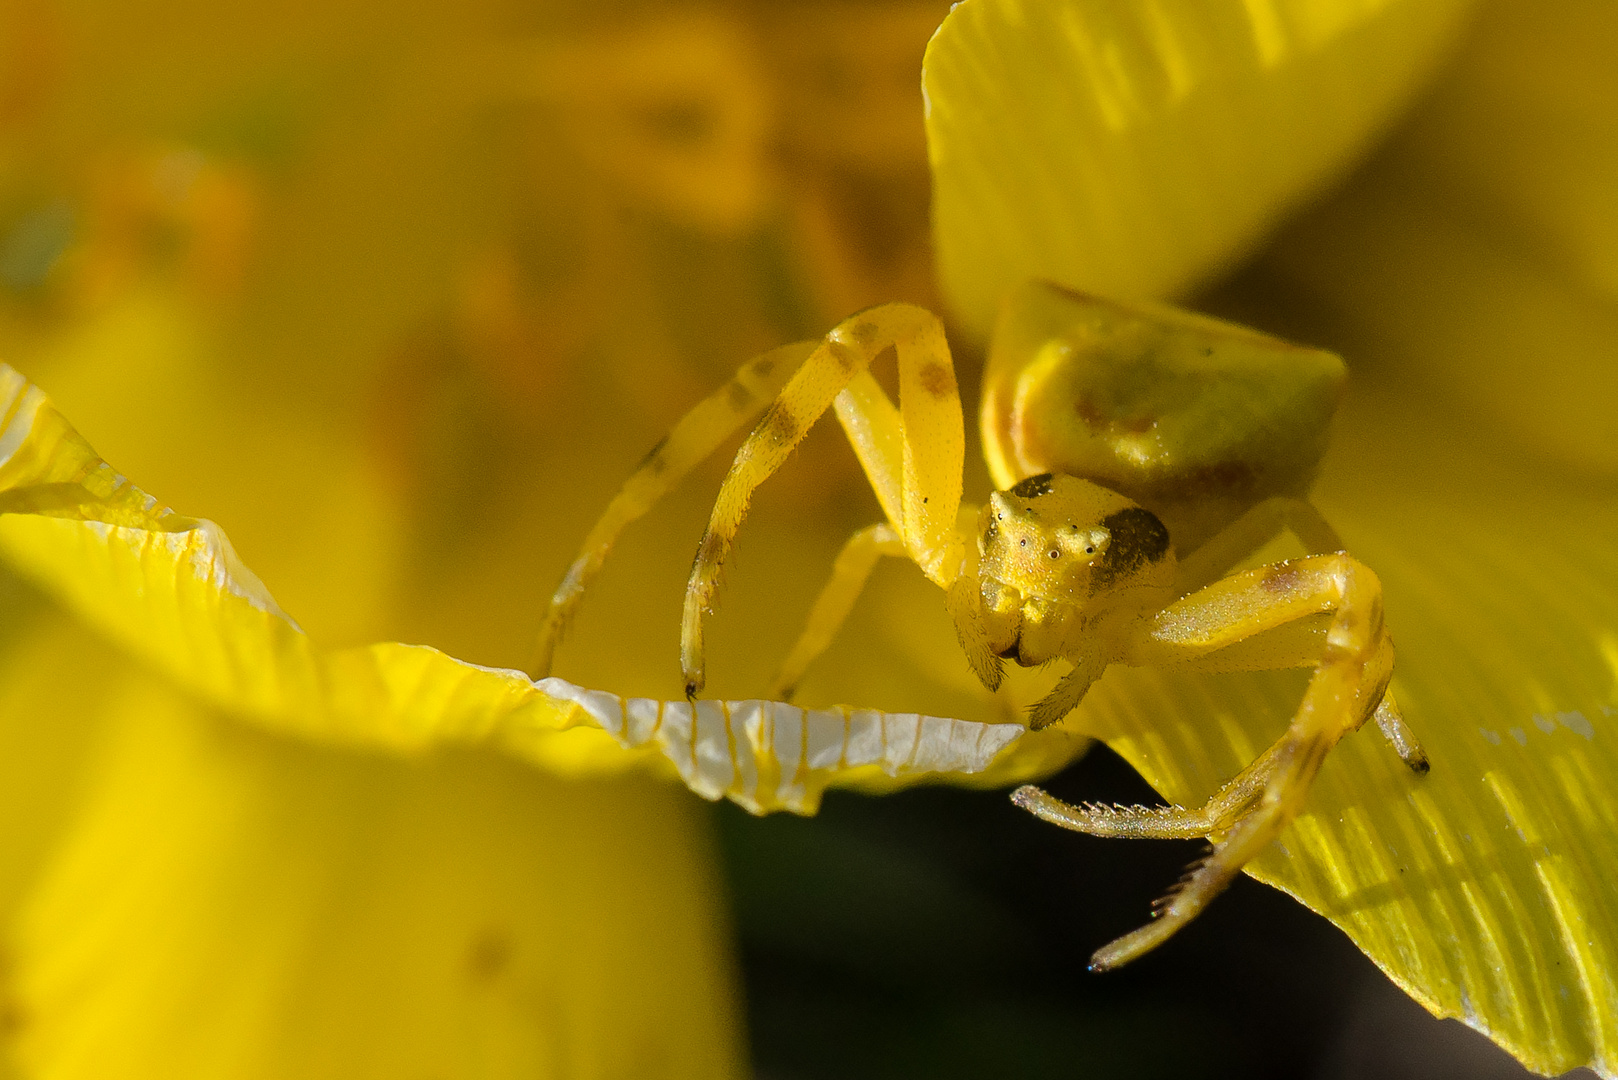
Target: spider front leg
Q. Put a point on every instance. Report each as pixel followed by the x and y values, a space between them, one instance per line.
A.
pixel 1347 689
pixel 696 436
pixel 912 455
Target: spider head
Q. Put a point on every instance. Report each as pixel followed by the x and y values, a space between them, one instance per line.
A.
pixel 1056 555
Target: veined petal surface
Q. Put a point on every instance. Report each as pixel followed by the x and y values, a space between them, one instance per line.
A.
pixel 1133 147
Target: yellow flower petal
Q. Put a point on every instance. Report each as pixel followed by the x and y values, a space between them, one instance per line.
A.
pixel 49 720
pixel 1132 147
pixel 171 590
pixel 233 904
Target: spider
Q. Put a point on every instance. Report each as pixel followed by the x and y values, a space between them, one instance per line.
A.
pixel 1143 452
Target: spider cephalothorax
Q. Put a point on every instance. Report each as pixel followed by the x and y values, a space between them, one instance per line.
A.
pixel 1142 454
pixel 1057 556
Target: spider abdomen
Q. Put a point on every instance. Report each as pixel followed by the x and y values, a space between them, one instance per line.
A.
pixel 1194 418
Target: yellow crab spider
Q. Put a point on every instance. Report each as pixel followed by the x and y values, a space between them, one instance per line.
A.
pixel 1141 452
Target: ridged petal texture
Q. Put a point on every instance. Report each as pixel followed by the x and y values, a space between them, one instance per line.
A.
pixel 1149 143
pixel 171 590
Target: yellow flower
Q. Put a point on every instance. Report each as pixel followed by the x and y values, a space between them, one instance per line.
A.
pixel 398 297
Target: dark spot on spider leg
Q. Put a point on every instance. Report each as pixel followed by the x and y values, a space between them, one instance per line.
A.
pixel 653 461
pixel 1282 578
pixel 710 554
pixel 863 332
pixel 937 379
pixel 738 396
pixel 847 358
pixel 779 426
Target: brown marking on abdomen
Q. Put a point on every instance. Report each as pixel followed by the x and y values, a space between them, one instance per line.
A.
pixel 1228 477
pixel 1091 416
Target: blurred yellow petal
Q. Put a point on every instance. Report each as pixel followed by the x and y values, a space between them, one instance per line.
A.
pixel 1480 247
pixel 673 108
pixel 1527 353
pixel 54 678
pixel 234 904
pixel 1132 147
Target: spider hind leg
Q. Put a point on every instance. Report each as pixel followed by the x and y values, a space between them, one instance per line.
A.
pixel 848 577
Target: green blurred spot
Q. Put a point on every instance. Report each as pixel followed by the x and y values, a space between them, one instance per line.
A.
pixel 264 125
pixel 34 244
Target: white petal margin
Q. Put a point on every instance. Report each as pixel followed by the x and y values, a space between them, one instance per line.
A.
pixel 768 755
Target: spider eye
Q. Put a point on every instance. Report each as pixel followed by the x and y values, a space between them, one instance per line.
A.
pixel 1023 541
pixel 1056 554
pixel 1090 549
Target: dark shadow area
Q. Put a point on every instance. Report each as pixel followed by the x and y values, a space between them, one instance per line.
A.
pixel 944 933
